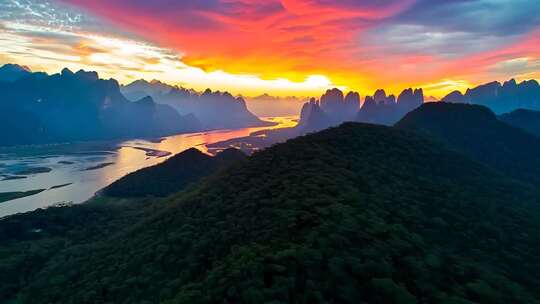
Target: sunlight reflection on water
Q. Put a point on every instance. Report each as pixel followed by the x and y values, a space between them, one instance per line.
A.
pixel 68 166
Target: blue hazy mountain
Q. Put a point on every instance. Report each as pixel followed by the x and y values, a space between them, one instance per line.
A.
pixel 12 72
pixel 385 110
pixel 40 108
pixel 331 110
pixel 501 98
pixel 215 110
pixel 334 108
pixel 527 120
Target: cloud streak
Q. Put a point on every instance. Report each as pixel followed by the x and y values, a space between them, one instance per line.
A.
pixel 358 44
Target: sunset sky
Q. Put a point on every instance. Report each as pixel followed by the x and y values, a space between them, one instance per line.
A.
pixel 281 47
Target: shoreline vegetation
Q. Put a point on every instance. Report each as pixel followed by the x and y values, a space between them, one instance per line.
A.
pixel 98 166
pixel 151 152
pixel 34 170
pixel 8 196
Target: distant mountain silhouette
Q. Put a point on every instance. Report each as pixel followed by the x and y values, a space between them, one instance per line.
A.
pixel 312 117
pixel 11 72
pixel 172 175
pixel 332 109
pixel 338 107
pixel 215 110
pixel 430 99
pixel 385 110
pixel 141 88
pixel 527 120
pixel 475 131
pixel 266 105
pixel 79 106
pixel 501 98
pixel 380 98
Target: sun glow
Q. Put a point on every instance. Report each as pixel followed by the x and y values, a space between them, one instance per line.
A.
pixel 441 88
pixel 127 60
pixel 282 47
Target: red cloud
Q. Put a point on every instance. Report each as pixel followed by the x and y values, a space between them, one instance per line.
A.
pixel 293 39
pixel 268 38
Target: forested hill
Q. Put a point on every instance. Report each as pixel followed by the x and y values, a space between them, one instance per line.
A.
pixel 172 175
pixel 475 131
pixel 527 120
pixel 354 214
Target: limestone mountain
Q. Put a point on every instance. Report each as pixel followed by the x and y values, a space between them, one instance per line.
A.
pixel 385 110
pixel 215 110
pixel 501 98
pixel 11 72
pixel 332 109
pixel 41 108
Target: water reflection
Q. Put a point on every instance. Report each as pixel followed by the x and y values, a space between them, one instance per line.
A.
pixel 69 164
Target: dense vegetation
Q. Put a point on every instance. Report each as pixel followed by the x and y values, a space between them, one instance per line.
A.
pixel 172 175
pixel 354 214
pixel 475 131
pixel 7 196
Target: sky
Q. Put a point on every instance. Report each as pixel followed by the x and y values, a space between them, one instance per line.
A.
pixel 280 47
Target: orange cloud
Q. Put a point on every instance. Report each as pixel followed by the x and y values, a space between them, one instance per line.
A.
pixel 287 38
pixel 360 44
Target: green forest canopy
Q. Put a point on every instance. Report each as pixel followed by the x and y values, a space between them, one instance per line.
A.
pixel 354 214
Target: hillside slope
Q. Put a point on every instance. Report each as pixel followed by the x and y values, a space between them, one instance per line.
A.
pixel 527 120
pixel 172 175
pixel 475 131
pixel 354 214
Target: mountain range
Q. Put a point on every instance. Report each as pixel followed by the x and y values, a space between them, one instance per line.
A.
pixel 266 105
pixel 332 109
pixel 501 98
pixel 12 72
pixel 39 108
pixel 335 108
pixel 355 213
pixel 215 110
pixel 385 110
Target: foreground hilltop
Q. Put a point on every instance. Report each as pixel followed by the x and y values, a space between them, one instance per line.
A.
pixel 357 213
pixel 172 175
pixel 476 132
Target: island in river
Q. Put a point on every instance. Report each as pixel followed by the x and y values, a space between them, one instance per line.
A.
pixel 67 163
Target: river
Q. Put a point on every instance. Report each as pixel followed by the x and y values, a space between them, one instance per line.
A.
pixel 78 171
